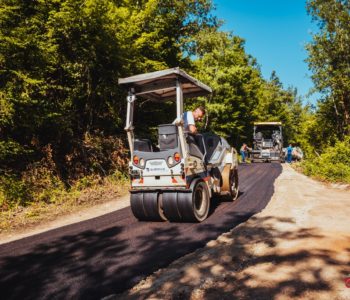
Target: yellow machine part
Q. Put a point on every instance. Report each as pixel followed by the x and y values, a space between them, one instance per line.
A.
pixel 225 175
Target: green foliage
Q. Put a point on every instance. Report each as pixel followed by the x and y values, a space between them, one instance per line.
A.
pixel 13 192
pixel 41 181
pixel 37 183
pixel 62 112
pixel 240 94
pixel 235 81
pixel 11 150
pixel 325 131
pixel 332 165
pixel 329 60
pixel 278 104
pixel 60 61
pixel 59 66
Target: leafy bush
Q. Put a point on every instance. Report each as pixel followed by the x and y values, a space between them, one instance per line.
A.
pixel 95 155
pixel 333 164
pixel 11 150
pixel 93 159
pixel 39 182
pixel 13 192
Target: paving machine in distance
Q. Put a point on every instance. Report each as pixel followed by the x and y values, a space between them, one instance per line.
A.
pixel 177 179
pixel 267 142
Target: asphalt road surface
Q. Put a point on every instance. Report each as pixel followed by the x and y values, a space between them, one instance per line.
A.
pixel 111 253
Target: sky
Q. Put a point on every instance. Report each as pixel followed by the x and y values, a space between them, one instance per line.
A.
pixel 275 32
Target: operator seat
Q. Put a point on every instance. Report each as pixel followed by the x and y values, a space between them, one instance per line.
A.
pixel 167 137
pixel 259 136
pixel 211 142
pixel 143 145
pixel 258 140
pixel 195 145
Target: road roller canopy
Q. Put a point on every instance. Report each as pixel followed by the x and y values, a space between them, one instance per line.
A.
pixel 161 85
pixel 267 123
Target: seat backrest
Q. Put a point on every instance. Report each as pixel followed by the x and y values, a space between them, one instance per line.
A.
pixel 211 141
pixel 167 136
pixel 143 145
pixel 259 136
pixel 195 145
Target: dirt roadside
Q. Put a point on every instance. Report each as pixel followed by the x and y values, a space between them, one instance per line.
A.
pixel 113 200
pixel 297 248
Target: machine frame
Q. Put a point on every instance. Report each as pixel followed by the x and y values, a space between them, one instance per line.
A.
pixel 177 182
pixel 268 149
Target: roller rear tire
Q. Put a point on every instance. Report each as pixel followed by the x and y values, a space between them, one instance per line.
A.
pixel 187 206
pixel 234 186
pixel 195 206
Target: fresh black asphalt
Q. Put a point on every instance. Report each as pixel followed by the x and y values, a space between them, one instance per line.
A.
pixel 111 253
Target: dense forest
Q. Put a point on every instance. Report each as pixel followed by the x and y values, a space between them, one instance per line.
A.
pixel 62 112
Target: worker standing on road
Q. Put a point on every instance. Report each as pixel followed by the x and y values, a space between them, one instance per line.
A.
pixel 244 151
pixel 190 117
pixel 289 153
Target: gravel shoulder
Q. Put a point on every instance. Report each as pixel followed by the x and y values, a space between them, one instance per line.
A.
pixel 298 247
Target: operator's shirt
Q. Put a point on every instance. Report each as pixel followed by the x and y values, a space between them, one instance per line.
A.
pixel 188 120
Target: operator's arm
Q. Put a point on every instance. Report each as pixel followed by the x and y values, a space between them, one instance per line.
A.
pixel 191 123
pixel 192 128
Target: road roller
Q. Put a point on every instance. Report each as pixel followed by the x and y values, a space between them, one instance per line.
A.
pixel 176 179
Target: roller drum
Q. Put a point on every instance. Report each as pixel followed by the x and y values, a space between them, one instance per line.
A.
pixel 146 207
pixel 137 208
pixel 170 206
pixel 152 207
pixel 194 206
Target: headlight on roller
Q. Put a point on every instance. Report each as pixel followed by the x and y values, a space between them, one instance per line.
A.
pixel 142 162
pixel 170 160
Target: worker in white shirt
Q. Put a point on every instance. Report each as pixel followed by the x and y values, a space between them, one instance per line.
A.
pixel 190 117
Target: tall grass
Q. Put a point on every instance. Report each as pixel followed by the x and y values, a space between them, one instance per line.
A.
pixel 332 165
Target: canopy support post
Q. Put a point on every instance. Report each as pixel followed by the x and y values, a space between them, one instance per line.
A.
pixel 179 118
pixel 129 128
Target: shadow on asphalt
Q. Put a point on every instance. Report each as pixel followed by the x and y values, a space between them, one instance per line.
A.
pixel 111 253
pixel 286 274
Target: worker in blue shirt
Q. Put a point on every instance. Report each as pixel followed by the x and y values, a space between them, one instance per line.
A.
pixel 289 153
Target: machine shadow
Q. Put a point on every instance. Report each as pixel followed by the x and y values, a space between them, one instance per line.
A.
pixel 94 263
